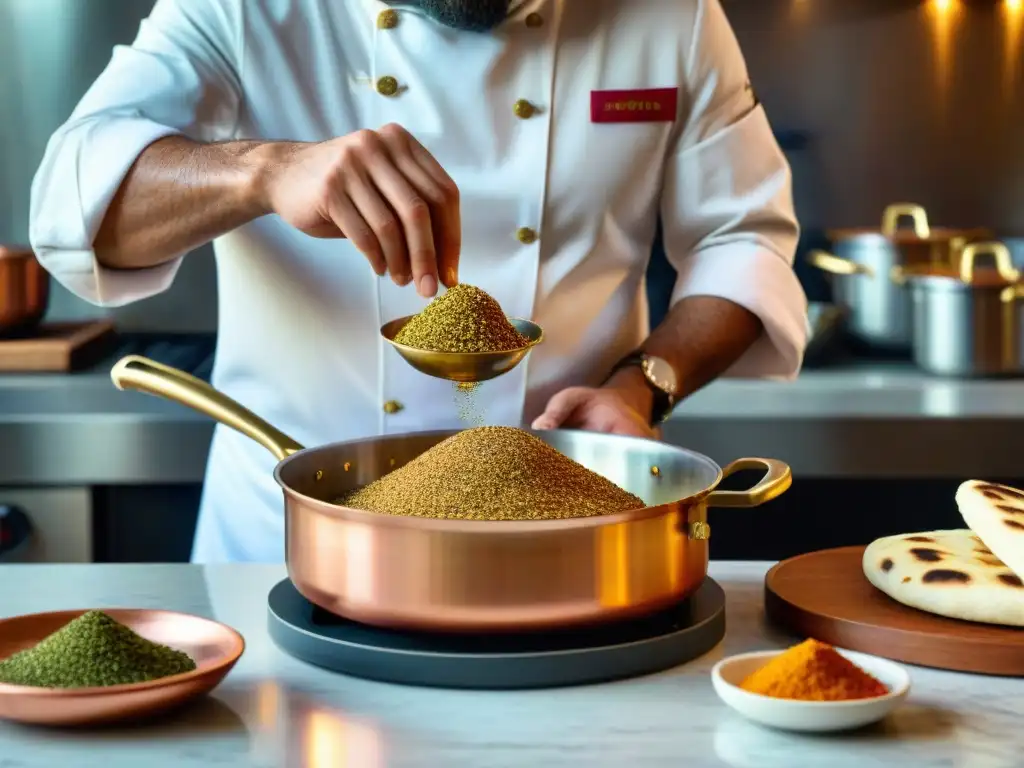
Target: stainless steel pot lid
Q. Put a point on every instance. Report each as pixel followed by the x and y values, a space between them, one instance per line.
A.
pixel 920 230
pixel 969 276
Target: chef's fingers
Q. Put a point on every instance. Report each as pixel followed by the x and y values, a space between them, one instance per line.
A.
pixel 440 193
pixel 414 212
pixel 449 232
pixel 346 217
pixel 561 407
pixel 384 222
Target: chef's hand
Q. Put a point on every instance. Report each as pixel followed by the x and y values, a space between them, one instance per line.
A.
pixel 615 410
pixel 384 192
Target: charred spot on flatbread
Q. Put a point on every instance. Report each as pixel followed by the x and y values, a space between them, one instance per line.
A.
pixel 927 555
pixel 945 576
pixel 983 550
pixel 905 579
pixel 999 492
pixel 993 561
pixel 1010 579
pixel 1014 524
pixel 886 565
pixel 925 539
pixel 1010 510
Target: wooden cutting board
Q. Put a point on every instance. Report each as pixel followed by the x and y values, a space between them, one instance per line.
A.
pixel 57 347
pixel 825 595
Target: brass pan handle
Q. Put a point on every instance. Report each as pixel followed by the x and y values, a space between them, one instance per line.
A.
pixel 141 374
pixel 826 262
pixel 894 213
pixel 776 481
pixel 999 253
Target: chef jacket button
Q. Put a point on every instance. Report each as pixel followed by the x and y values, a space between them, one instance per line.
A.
pixel 526 236
pixel 534 20
pixel 392 407
pixel 387 86
pixel 523 109
pixel 387 19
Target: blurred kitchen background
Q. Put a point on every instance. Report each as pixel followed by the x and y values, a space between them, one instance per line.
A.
pixel 874 102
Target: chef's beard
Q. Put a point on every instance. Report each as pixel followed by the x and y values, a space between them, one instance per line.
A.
pixel 471 15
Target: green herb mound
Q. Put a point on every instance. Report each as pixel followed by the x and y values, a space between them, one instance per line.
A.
pixel 93 651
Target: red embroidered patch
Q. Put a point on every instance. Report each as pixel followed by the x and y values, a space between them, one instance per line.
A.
pixel 641 105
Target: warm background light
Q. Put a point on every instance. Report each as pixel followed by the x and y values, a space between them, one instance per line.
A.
pixel 1011 20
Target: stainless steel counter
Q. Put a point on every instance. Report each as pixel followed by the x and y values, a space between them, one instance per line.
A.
pixel 869 421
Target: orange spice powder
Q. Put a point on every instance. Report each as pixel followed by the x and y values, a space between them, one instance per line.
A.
pixel 813 671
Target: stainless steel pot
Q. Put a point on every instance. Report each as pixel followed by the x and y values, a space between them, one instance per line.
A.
pixel 470 575
pixel 968 322
pixel 862 261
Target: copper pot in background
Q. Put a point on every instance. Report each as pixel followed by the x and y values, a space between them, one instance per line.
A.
pixel 24 290
pixel 416 573
pixel 862 262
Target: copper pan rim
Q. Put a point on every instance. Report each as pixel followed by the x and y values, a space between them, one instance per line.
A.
pixel 353 514
pixel 225 662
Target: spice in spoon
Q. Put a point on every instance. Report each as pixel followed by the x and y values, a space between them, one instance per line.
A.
pixel 463 319
pixel 813 671
pixel 91 651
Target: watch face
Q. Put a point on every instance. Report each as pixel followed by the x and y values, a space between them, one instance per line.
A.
pixel 661 374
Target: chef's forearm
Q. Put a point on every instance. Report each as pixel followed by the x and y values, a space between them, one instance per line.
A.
pixel 702 336
pixel 177 196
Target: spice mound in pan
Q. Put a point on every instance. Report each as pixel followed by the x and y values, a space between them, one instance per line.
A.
pixel 93 651
pixel 813 671
pixel 463 319
pixel 492 473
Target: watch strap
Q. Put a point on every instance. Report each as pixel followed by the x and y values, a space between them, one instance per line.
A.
pixel 662 402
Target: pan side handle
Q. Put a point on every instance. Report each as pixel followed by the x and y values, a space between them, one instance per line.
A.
pixel 141 374
pixel 776 481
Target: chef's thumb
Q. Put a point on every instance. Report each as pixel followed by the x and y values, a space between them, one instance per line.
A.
pixel 560 408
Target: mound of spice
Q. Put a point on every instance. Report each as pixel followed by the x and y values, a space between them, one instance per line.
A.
pixel 493 473
pixel 813 671
pixel 463 319
pixel 91 651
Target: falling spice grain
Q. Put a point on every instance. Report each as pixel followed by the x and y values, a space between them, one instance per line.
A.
pixel 467 405
pixel 463 319
pixel 493 473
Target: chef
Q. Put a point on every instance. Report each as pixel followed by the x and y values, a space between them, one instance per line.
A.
pixel 349 158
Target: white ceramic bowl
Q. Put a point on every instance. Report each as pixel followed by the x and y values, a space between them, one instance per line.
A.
pixel 809 716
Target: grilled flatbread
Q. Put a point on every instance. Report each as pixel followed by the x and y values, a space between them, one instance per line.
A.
pixel 996 514
pixel 948 573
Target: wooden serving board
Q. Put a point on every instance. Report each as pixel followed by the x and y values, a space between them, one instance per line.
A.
pixel 57 347
pixel 825 595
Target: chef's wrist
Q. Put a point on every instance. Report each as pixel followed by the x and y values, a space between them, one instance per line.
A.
pixel 262 164
pixel 632 386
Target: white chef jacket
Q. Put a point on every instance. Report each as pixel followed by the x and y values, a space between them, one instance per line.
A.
pixel 299 319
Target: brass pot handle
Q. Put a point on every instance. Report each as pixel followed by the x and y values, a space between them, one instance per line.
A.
pixel 776 481
pixel 141 374
pixel 1012 293
pixel 894 213
pixel 999 253
pixel 835 265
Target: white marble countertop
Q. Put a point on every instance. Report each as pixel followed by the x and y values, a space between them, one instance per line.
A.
pixel 274 711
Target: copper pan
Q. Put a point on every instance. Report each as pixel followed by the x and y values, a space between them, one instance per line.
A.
pixel 445 575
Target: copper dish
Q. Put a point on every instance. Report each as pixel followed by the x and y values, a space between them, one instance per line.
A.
pixel 24 290
pixel 477 576
pixel 213 646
